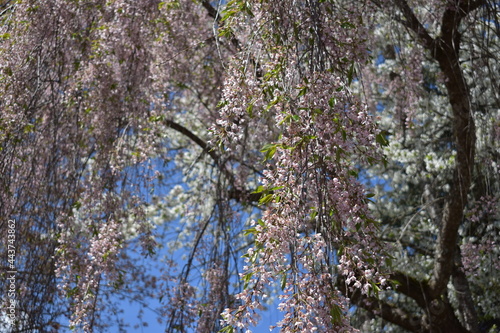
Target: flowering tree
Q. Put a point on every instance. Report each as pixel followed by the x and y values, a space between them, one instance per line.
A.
pixel 338 156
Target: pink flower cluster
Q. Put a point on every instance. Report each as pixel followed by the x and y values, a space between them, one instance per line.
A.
pixel 483 253
pixel 317 212
pixel 81 273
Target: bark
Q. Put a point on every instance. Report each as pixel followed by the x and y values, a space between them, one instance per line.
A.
pixel 386 311
pixel 430 296
pixel 464 296
pixel 239 195
pixel 446 53
pixel 437 316
pixel 445 50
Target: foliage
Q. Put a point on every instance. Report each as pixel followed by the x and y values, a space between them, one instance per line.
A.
pixel 338 156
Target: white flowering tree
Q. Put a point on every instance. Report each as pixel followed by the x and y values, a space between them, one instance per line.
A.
pixel 338 158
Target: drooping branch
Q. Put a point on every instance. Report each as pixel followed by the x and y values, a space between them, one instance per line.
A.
pixel 233 193
pixel 213 12
pixel 196 139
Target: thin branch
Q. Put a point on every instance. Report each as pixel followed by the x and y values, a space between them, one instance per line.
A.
pixel 414 24
pixel 387 312
pixel 437 313
pixel 412 288
pixel 406 243
pixel 214 13
pixel 183 130
pixel 233 193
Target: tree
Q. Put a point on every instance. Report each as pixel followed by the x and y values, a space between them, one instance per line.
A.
pixel 333 154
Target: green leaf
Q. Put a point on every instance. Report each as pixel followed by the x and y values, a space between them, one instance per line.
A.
pixel 246 8
pixel 270 150
pixel 381 139
pixel 249 231
pixel 285 120
pixel 275 101
pixel 266 199
pixel 249 110
pixel 347 25
pixel 340 251
pixel 270 153
pixel 336 314
pixel 259 189
pixel 267 147
pixel 302 92
pixel 221 104
pixel 227 329
pixel 276 188
pixel 72 292
pixel 155 119
pixel 350 74
pixel 246 279
pixel 332 101
pixel 283 281
pixel 375 289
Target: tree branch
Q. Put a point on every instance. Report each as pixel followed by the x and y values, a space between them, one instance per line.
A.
pixel 445 50
pixel 446 53
pixel 414 24
pixel 233 193
pixel 214 13
pixel 387 312
pixel 411 287
pixel 437 313
pixel 196 139
pixel 464 295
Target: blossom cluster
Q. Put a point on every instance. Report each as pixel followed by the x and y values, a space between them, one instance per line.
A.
pixel 316 228
pixel 482 254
